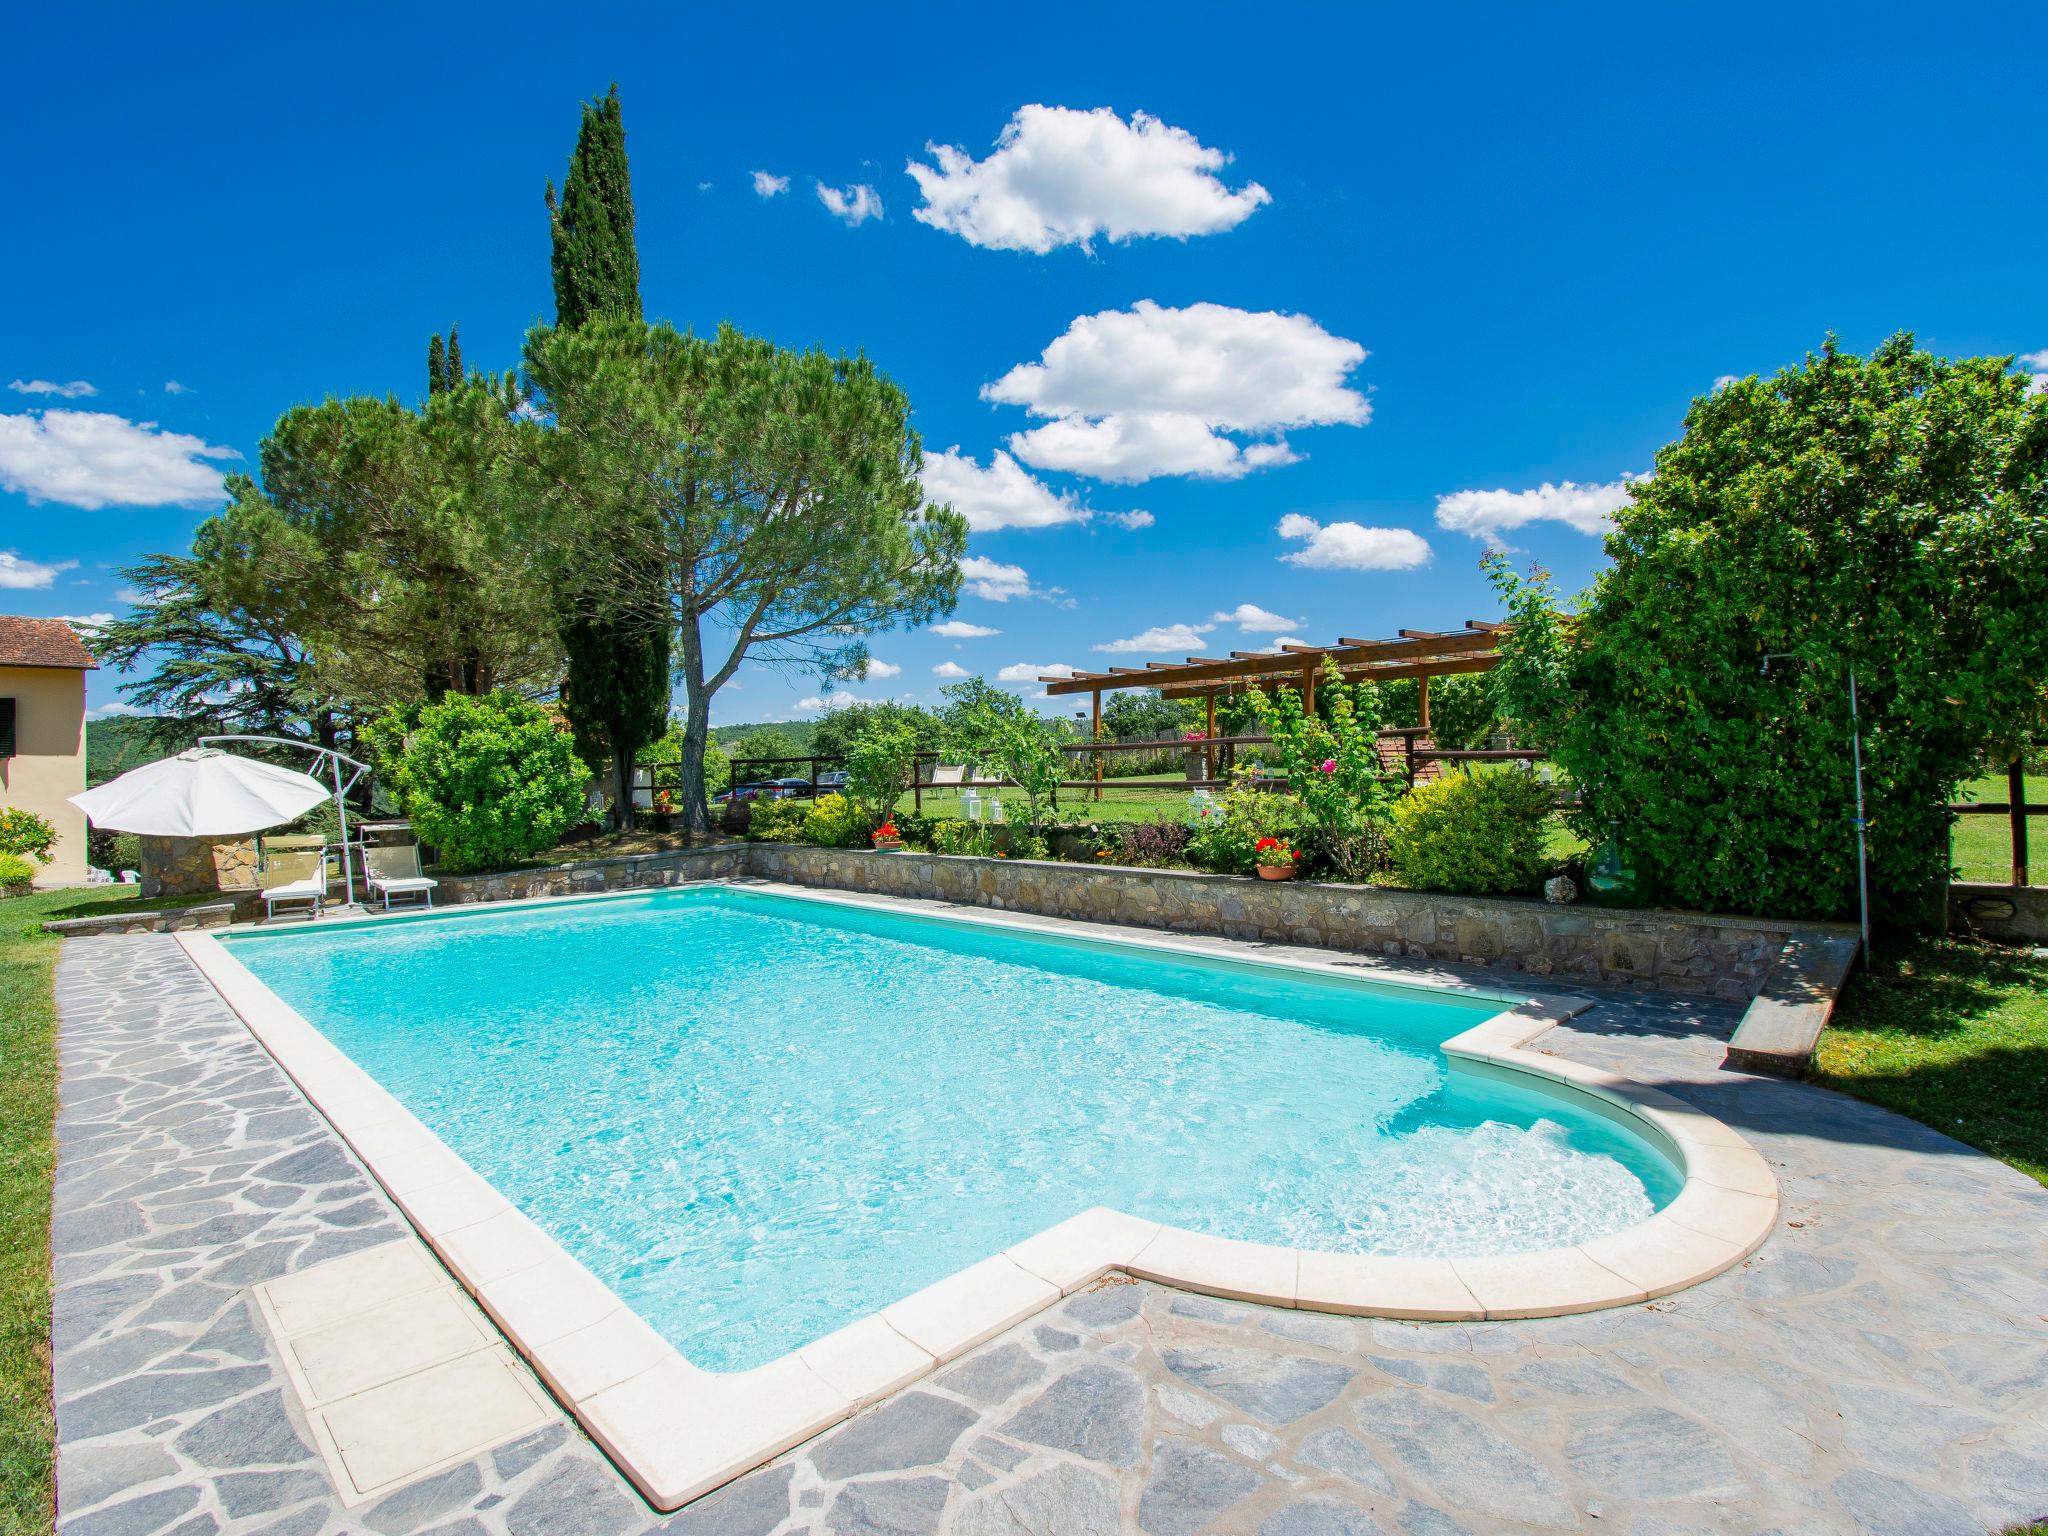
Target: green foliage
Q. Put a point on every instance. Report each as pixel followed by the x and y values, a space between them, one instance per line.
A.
pixel 834 732
pixel 437 366
pixel 780 491
pixel 1151 844
pixel 834 821
pixel 668 748
pixel 776 821
pixel 879 768
pixel 996 734
pixel 616 694
pixel 15 871
pixel 1331 762
pixel 488 780
pixel 1887 514
pixel 1463 715
pixel 24 832
pixel 1227 842
pixel 596 265
pixel 1475 833
pixel 765 743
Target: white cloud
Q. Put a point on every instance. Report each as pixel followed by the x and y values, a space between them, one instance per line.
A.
pixel 2036 363
pixel 19 575
pixel 883 668
pixel 950 669
pixel 90 459
pixel 1159 640
pixel 1005 495
pixel 1489 514
pixel 173 387
pixel 1032 671
pixel 997 582
pixel 815 705
pixel 109 711
pixel 1351 546
pixel 855 204
pixel 960 629
pixel 87 622
pixel 1281 642
pixel 767 184
pixel 1723 380
pixel 72 391
pixel 1133 394
pixel 1134 520
pixel 1251 619
pixel 1059 176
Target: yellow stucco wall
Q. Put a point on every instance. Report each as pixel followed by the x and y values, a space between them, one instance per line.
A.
pixel 49 760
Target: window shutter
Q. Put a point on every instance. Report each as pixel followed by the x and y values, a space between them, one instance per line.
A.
pixel 6 727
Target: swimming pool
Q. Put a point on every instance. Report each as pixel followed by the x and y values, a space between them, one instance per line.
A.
pixel 757 1119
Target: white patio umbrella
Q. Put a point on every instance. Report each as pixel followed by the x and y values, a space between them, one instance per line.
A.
pixel 202 792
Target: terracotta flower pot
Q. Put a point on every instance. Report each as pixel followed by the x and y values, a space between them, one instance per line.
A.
pixel 885 844
pixel 1276 871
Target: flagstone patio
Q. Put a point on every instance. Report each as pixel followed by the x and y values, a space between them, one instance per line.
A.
pixel 1881 1365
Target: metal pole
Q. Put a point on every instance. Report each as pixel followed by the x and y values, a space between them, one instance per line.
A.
pixel 1862 858
pixel 1095 734
pixel 2016 802
pixel 348 876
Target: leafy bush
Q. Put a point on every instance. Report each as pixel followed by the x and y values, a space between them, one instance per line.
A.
pixel 776 821
pixel 1475 833
pixel 488 780
pixel 961 837
pixel 1883 515
pixel 879 768
pixel 1331 762
pixel 24 832
pixel 15 871
pixel 1228 841
pixel 1151 844
pixel 834 821
pixel 1001 737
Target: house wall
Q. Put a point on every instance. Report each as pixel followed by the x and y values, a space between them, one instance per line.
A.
pixel 49 761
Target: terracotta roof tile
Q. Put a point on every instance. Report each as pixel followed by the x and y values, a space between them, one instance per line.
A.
pixel 41 643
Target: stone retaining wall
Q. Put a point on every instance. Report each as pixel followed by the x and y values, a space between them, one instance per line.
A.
pixel 1673 951
pixel 2016 914
pixel 626 872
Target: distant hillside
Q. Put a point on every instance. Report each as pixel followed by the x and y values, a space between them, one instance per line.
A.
pixel 798 732
pixel 121 742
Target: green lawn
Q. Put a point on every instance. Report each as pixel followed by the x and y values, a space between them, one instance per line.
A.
pixel 28 1107
pixel 1981 846
pixel 1954 1034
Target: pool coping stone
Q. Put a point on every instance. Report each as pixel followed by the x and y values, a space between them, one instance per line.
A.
pixel 678 1431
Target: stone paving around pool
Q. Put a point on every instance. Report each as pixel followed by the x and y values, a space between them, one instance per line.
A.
pixel 1881 1365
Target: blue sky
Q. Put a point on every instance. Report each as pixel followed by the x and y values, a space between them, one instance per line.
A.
pixel 1350 263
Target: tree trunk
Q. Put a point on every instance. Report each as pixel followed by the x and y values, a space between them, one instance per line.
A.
pixel 622 790
pixel 696 729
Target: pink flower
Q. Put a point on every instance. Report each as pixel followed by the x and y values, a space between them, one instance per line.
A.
pixel 1329 765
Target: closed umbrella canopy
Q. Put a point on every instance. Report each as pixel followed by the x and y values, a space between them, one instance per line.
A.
pixel 203 792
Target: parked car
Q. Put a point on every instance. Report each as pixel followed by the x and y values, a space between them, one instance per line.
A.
pixel 834 780
pixel 772 789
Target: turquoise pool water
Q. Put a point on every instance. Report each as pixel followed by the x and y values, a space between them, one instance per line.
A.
pixel 758 1118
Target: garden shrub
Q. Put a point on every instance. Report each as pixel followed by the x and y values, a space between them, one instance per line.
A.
pixel 1227 843
pixel 1883 514
pixel 834 821
pixel 776 821
pixel 15 871
pixel 1152 844
pixel 879 768
pixel 961 837
pixel 24 833
pixel 1331 762
pixel 488 779
pixel 1474 833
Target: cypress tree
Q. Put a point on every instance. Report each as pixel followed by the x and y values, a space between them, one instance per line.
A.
pixel 596 268
pixel 437 367
pixel 456 376
pixel 615 633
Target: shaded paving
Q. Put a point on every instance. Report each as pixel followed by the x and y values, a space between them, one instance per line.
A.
pixel 1881 1365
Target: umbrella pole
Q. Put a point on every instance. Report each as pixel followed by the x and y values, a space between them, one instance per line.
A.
pixel 348 878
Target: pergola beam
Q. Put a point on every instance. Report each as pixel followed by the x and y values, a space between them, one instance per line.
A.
pixel 1427 653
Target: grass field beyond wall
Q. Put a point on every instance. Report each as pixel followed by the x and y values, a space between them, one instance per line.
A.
pixel 28 1106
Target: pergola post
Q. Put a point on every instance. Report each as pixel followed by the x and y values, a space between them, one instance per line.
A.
pixel 1096 735
pixel 1422 695
pixel 2016 808
pixel 1308 689
pixel 1209 736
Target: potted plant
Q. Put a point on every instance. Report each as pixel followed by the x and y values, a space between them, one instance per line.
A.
pixel 887 837
pixel 1276 858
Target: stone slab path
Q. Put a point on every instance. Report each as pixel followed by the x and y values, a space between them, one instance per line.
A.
pixel 1880 1366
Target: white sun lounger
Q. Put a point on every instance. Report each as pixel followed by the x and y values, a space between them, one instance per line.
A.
pixel 294 874
pixel 394 870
